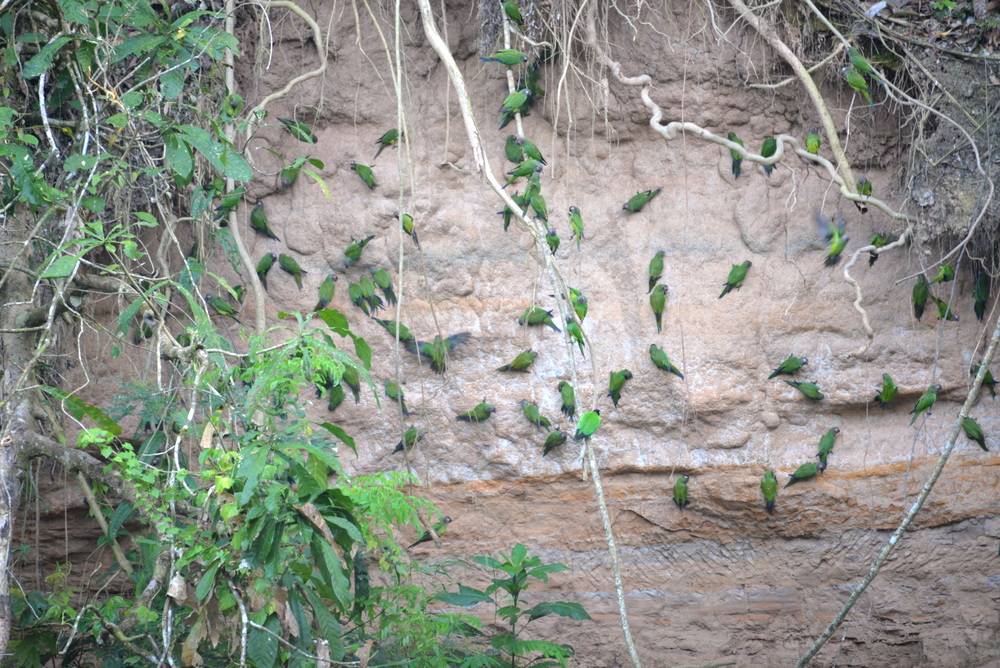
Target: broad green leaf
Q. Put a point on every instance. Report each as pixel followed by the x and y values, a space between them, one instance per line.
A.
pixel 77 162
pixel 571 610
pixel 352 530
pixel 95 204
pixel 235 166
pixel 203 142
pixel 329 627
pixel 262 647
pixel 341 434
pixel 61 267
pixel 137 45
pixel 207 582
pixel 172 83
pixel 340 586
pixel 465 597
pixel 335 320
pixel 118 120
pixel 78 408
pixel 179 158
pixel 42 60
pixel 122 513
pixel 132 99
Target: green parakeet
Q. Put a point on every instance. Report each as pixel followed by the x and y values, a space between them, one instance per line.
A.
pixel 580 303
pixel 974 432
pixel 393 327
pixel 655 269
pixel 789 366
pixel 568 396
pixel 769 488
pixel 925 402
pixel 258 221
pixel 531 150
pixel 228 202
pixel 221 306
pixel 981 293
pixel 358 299
pixel 516 102
pixel 888 392
pixel 553 441
pixel 508 57
pixel 681 491
pixel 290 265
pixel 396 395
pixel 576 334
pixel 264 266
pixel 658 301
pixel 878 240
pixel 406 223
pixel 534 416
pixel 510 8
pixel 365 173
pixel 946 273
pixel 804 472
pixel 944 311
pixel 736 277
pixel 352 379
pixel 661 361
pixel 521 362
pixel 810 390
pixel 861 64
pixel 299 130
pixel 536 315
pixel 512 149
pixel 326 291
pixel 834 235
pixel 616 383
pixel 289 174
pixel 539 207
pixel 576 224
pixel 368 293
pixel 864 188
pixel 769 148
pixel 439 528
pixel 143 327
pixel 337 395
pixel 552 239
pixel 736 155
pixel 812 142
pixel 411 437
pixel 639 200
pixel 988 381
pixel 588 424
pixel 437 351
pixel 921 292
pixel 353 251
pixel 524 169
pixel 232 105
pixel 478 413
pixel 384 282
pixel 390 138
pixel 857 81
pixel 826 446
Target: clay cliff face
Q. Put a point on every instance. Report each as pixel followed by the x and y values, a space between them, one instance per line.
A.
pixel 721 579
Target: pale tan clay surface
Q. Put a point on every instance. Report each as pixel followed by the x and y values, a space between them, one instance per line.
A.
pixel 722 579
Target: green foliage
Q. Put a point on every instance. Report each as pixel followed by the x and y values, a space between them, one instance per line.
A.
pixel 227 486
pixel 505 595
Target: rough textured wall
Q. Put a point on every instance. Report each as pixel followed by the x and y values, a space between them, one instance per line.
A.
pixel 722 579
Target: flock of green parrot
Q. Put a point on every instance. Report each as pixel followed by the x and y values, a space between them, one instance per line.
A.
pixel 529 164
